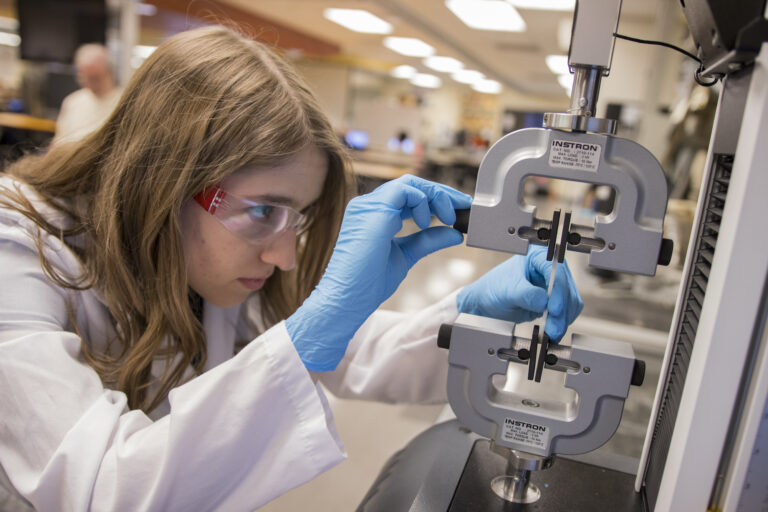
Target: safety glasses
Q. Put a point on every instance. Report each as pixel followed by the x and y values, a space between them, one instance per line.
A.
pixel 247 219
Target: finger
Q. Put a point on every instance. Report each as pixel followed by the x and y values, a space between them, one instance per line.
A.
pixel 412 202
pixel 576 305
pixel 571 300
pixel 431 189
pixel 526 296
pixel 425 242
pixel 443 208
pixel 539 269
pixel 421 214
pixel 555 327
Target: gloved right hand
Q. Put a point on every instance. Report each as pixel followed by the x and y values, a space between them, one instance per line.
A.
pixel 516 290
pixel 369 263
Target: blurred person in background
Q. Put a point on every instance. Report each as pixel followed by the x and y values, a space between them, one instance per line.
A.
pixel 87 108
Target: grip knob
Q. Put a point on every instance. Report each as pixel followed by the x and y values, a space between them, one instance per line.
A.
pixel 444 336
pixel 462 220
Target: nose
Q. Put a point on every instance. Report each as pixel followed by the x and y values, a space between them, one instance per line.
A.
pixel 281 250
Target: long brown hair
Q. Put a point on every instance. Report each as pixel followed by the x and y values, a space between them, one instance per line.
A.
pixel 206 103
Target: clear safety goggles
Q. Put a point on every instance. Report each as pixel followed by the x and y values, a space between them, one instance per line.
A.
pixel 247 219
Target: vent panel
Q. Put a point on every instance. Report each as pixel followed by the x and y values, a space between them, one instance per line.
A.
pixel 688 322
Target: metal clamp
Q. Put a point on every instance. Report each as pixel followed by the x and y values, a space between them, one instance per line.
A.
pixel 597 371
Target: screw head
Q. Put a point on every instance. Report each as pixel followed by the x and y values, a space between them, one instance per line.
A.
pixel 587 369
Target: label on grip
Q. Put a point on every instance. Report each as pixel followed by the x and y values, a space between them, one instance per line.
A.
pixel 574 155
pixel 527 433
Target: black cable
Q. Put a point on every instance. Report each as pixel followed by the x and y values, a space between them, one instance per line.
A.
pixel 658 43
pixel 696 74
pixel 697 77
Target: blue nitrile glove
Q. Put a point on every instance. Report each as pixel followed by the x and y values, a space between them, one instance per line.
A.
pixel 368 263
pixel 516 290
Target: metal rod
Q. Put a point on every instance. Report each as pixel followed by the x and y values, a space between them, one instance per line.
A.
pixel 517 485
pixel 586 88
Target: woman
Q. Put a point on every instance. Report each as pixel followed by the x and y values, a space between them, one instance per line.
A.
pixel 136 263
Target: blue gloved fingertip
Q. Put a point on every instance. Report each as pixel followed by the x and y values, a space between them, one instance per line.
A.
pixel 556 304
pixel 554 329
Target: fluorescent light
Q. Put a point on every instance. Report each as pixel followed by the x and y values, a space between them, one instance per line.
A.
pixel 358 20
pixel 143 51
pixel 566 81
pixel 409 46
pixel 443 64
pixel 467 76
pixel 7 39
pixel 404 71
pixel 487 86
pixel 426 80
pixel 558 64
pixel 544 5
pixel 487 14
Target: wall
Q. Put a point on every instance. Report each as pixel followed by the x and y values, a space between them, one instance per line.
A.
pixel 330 84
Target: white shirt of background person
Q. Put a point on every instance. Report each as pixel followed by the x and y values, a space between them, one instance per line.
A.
pixel 84 110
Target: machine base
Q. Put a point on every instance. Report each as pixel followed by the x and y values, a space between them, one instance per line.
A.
pixel 448 468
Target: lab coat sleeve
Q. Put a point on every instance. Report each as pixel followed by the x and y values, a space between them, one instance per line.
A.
pixel 394 357
pixel 237 436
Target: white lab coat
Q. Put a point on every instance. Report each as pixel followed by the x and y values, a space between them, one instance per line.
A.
pixel 253 426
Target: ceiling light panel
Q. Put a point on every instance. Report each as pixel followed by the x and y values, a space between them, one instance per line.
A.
pixel 487 14
pixel 566 81
pixel 467 76
pixel 443 64
pixel 558 64
pixel 487 86
pixel 544 5
pixel 409 46
pixel 426 80
pixel 358 20
pixel 404 71
pixel 143 51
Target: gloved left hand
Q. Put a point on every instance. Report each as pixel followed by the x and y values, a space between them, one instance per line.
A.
pixel 368 263
pixel 516 290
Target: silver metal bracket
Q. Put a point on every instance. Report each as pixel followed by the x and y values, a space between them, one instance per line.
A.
pixel 579 419
pixel 627 240
pixel 578 123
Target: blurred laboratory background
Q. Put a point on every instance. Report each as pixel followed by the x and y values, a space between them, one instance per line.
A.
pixel 422 87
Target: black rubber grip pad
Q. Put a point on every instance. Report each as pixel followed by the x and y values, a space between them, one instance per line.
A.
pixel 665 251
pixel 638 373
pixel 462 220
pixel 444 336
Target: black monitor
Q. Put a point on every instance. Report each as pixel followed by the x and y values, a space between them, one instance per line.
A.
pixel 51 30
